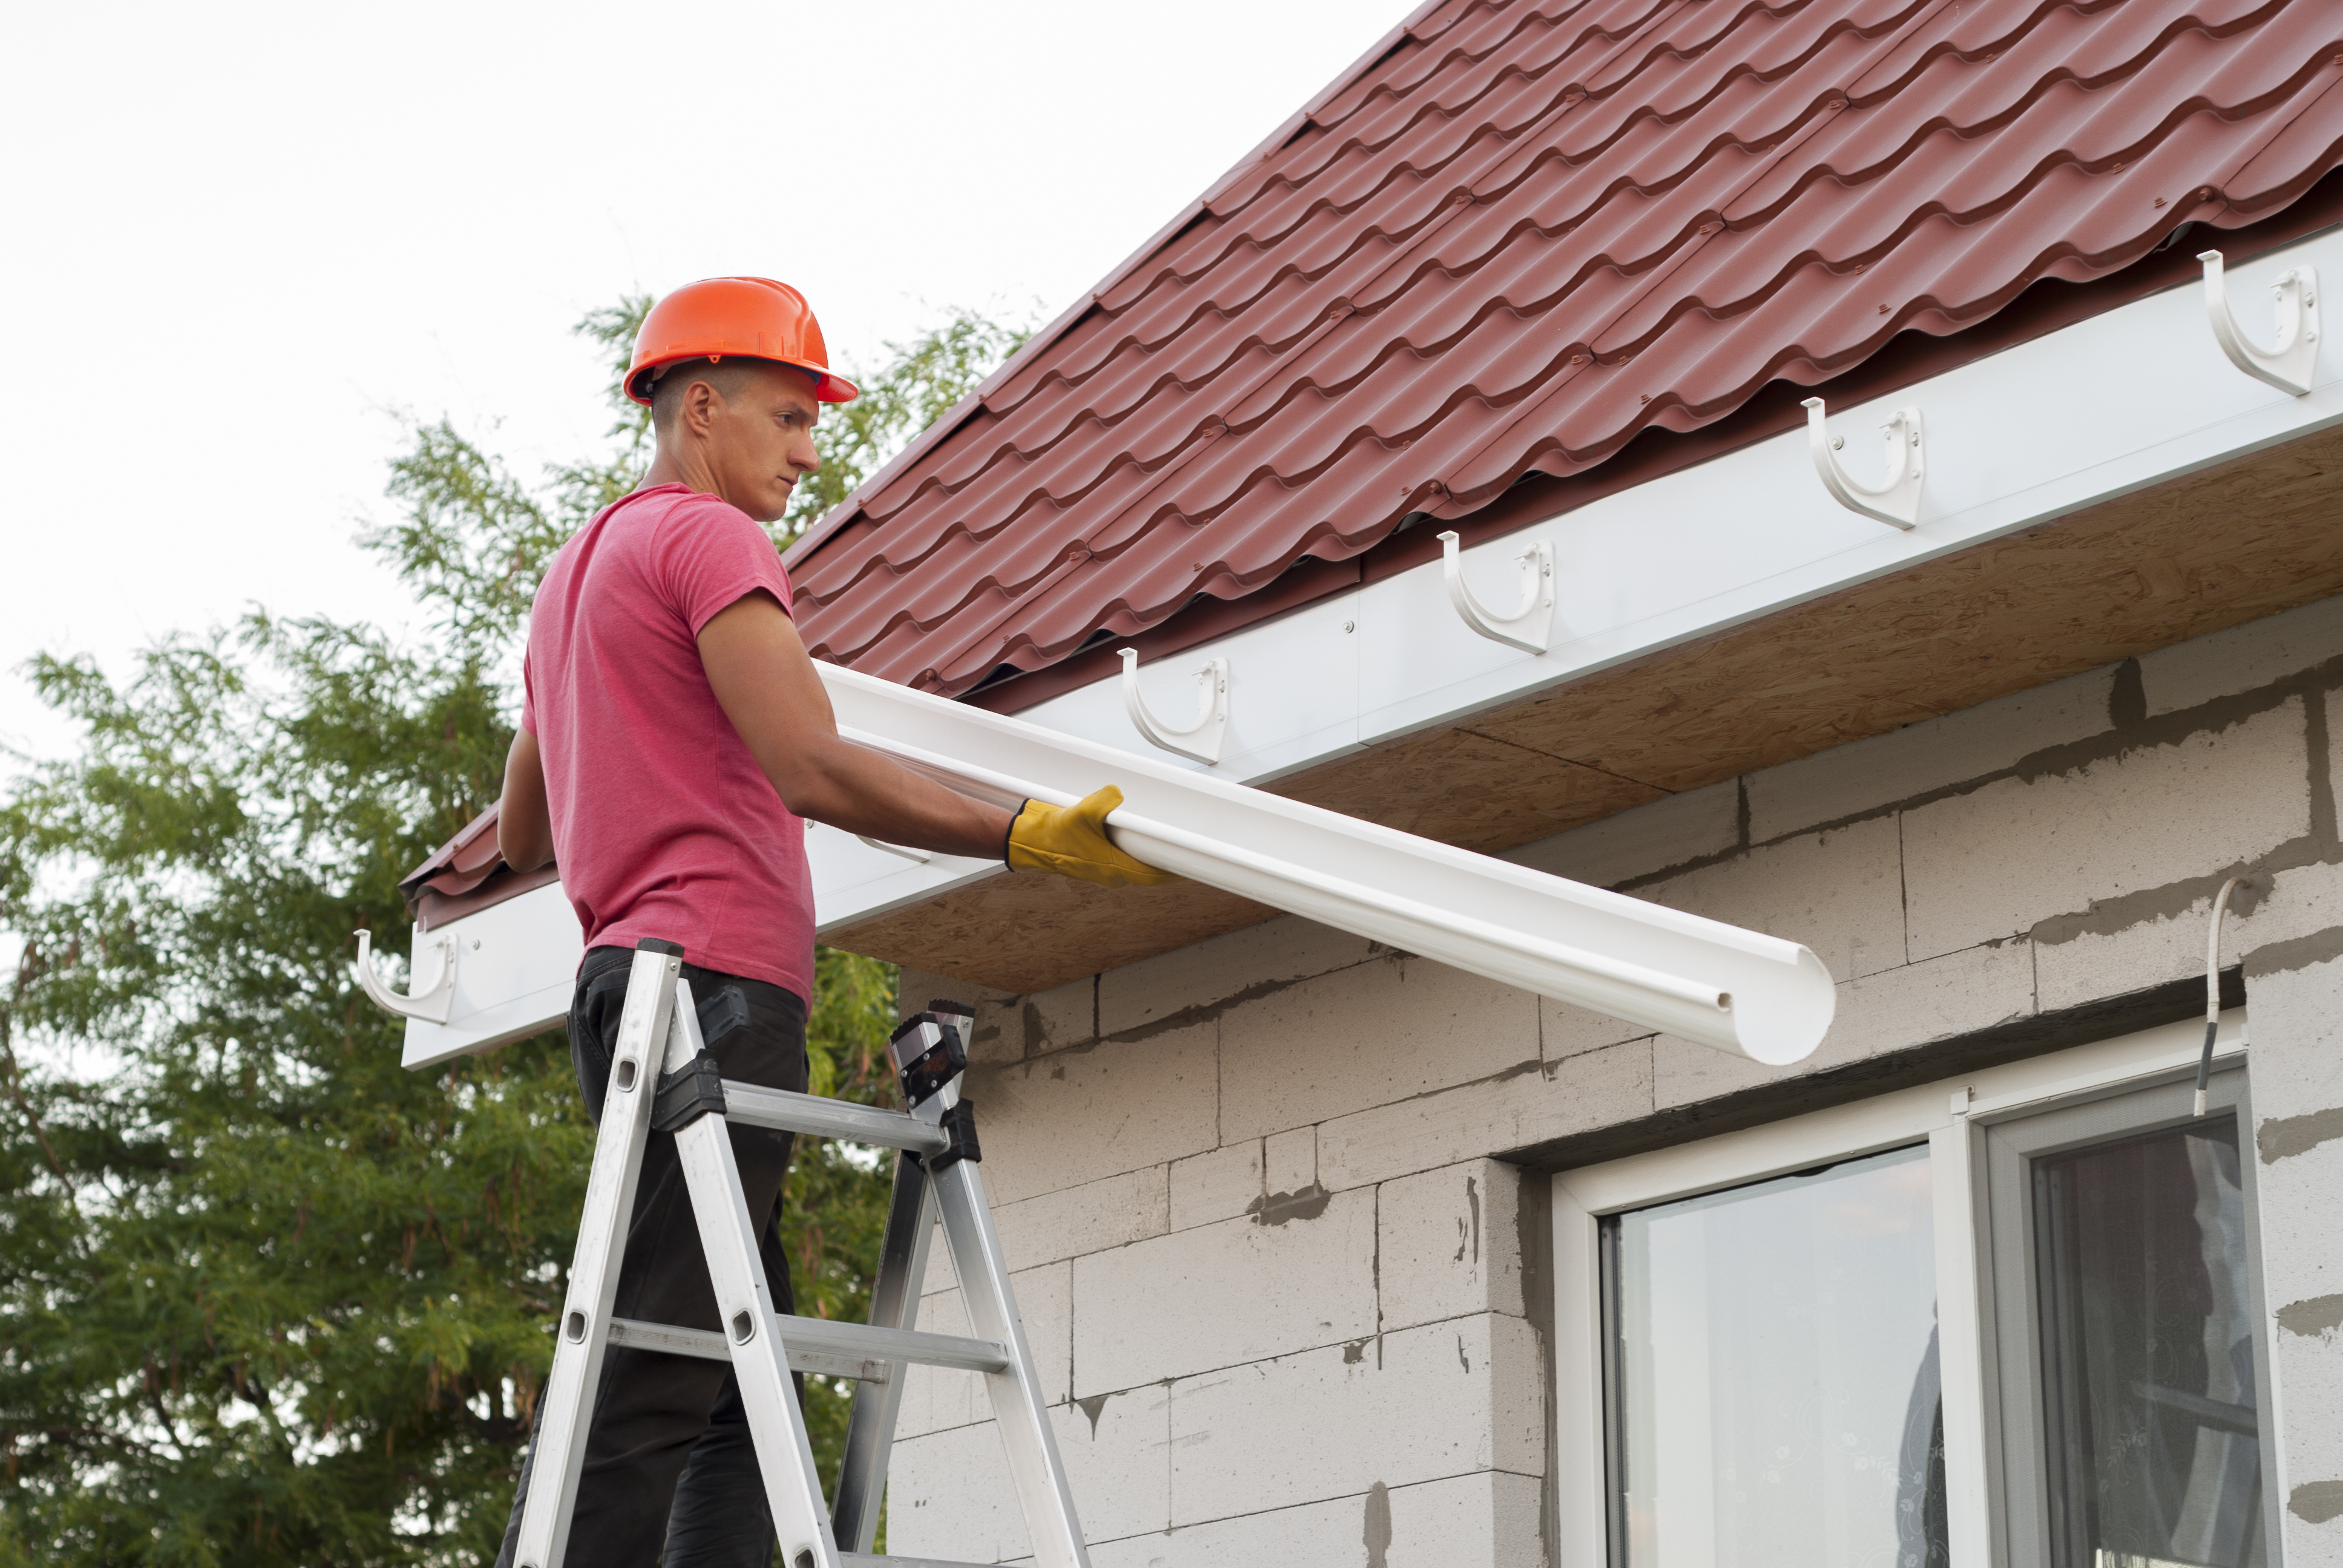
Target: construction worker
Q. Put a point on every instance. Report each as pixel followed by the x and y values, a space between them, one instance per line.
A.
pixel 674 741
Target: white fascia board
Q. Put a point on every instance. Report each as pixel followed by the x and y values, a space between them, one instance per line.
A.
pixel 516 967
pixel 2133 398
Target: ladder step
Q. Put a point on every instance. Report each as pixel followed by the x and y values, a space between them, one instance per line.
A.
pixel 865 1560
pixel 829 1349
pixel 670 1340
pixel 758 1106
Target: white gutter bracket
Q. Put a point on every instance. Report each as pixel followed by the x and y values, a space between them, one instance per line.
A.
pixel 1530 627
pixel 2289 366
pixel 428 1002
pixel 1201 741
pixel 1895 503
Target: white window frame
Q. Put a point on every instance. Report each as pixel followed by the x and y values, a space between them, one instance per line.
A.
pixel 1950 1116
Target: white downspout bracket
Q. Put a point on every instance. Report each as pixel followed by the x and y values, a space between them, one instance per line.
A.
pixel 1200 741
pixel 1895 503
pixel 1530 627
pixel 2289 366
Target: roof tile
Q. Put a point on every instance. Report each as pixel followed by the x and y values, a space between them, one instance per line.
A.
pixel 1519 236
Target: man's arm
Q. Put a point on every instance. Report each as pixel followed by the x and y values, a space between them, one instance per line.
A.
pixel 768 687
pixel 524 821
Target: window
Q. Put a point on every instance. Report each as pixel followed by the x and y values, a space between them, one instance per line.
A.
pixel 2014 1318
pixel 2123 1267
pixel 1775 1393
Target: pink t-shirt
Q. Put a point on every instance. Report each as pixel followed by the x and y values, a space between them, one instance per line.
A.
pixel 663 824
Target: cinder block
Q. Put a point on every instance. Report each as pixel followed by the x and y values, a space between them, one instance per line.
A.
pixel 1289 1160
pixel 2304 901
pixel 949 1495
pixel 1893 1010
pixel 2310 1370
pixel 1425 1403
pixel 2296 1068
pixel 1994 862
pixel 1593 1089
pixel 1050 1122
pixel 1117 1453
pixel 1090 1218
pixel 2335 754
pixel 991 1037
pixel 1449 1244
pixel 1567 1030
pixel 1055 1020
pixel 1841 893
pixel 1221 1294
pixel 1642 840
pixel 1870 774
pixel 1220 1185
pixel 1489 1520
pixel 936 1399
pixel 1366 1036
pixel 2242 658
pixel 1193 979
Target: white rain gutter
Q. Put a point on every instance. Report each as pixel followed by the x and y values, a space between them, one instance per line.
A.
pixel 503 973
pixel 1752 995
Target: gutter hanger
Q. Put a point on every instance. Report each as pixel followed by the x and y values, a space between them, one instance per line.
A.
pixel 1737 990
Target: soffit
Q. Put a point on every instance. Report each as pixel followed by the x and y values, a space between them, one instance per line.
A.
pixel 2248 538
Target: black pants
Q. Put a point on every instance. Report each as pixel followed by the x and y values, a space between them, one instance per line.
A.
pixel 670 1474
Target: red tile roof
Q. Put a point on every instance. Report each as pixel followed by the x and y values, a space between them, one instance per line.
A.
pixel 1517 236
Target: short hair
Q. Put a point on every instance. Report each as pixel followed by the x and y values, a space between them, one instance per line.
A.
pixel 727 376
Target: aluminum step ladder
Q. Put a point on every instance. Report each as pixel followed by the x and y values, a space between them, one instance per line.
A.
pixel 935 1171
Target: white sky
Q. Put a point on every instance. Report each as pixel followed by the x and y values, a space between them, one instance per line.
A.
pixel 241 239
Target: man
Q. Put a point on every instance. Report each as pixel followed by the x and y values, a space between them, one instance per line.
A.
pixel 674 739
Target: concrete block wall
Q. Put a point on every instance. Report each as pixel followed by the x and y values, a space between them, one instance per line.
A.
pixel 1272 1197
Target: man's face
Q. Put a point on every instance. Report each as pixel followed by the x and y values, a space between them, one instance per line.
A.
pixel 760 439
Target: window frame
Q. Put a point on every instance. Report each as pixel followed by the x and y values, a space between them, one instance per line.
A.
pixel 1954 1116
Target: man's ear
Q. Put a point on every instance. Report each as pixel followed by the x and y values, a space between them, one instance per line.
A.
pixel 697 411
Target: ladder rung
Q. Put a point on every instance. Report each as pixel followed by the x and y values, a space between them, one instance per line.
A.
pixel 865 1560
pixel 672 1341
pixel 847 1344
pixel 779 1108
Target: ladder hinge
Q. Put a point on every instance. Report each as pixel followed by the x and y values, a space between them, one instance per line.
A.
pixel 958 1124
pixel 687 1094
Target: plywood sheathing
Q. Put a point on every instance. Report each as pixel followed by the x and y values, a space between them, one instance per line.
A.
pixel 2227 545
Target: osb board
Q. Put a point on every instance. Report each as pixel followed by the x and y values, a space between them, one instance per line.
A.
pixel 2229 544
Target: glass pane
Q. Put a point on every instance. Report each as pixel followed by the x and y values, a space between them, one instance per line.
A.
pixel 2147 1367
pixel 1775 1394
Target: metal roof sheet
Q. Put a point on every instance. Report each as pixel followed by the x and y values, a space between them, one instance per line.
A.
pixel 1517 236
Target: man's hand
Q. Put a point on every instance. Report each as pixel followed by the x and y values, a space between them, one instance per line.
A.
pixel 1071 842
pixel 767 685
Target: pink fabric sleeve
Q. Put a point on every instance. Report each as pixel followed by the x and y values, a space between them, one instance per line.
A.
pixel 709 556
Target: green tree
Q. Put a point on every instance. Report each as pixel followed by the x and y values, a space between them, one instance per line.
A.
pixel 265 1296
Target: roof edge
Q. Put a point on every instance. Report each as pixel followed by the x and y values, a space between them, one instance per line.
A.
pixel 2043 307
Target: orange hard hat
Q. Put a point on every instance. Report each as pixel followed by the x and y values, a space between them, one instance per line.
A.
pixel 754 317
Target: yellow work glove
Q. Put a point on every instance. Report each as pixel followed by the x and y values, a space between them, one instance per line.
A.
pixel 1071 842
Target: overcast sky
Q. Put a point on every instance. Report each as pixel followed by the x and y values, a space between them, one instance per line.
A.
pixel 244 240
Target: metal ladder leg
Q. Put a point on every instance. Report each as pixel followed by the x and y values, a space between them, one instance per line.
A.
pixel 643 1032
pixel 752 1329
pixel 1019 1406
pixel 894 1304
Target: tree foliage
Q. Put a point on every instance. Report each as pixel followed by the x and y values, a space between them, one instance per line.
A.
pixel 265 1296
